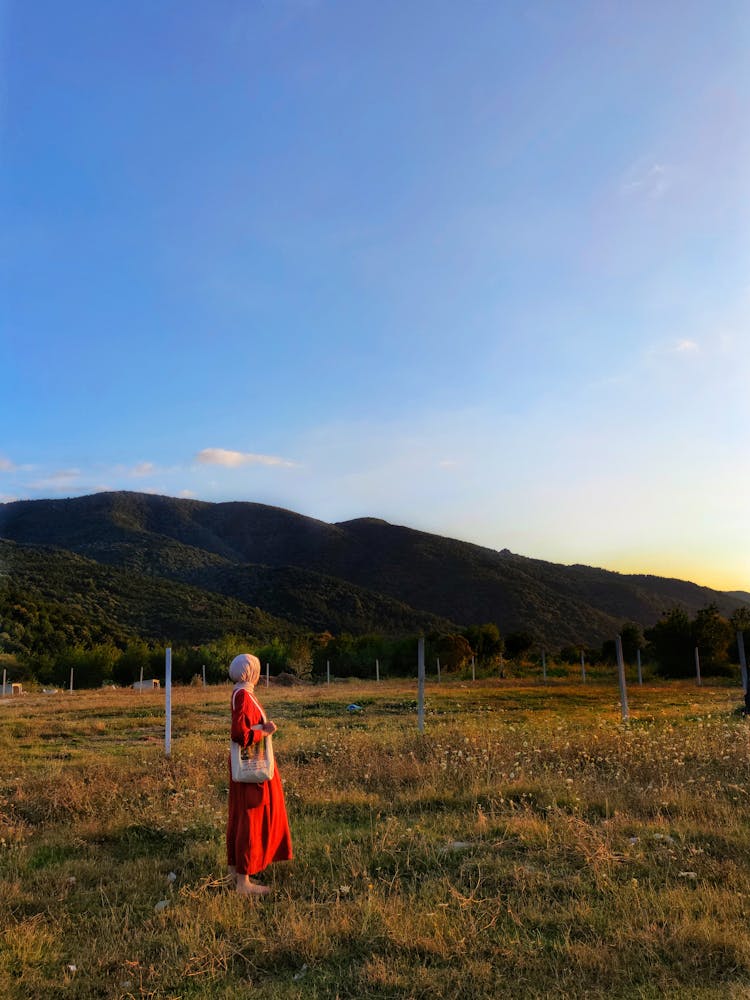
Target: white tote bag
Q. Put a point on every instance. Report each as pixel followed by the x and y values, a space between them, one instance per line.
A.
pixel 253 764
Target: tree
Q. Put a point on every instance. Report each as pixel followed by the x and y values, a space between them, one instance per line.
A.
pixel 712 635
pixel 739 621
pixel 518 643
pixel 608 652
pixel 632 641
pixel 486 643
pixel 570 654
pixel 403 657
pixel 274 654
pixel 671 643
pixel 134 657
pixel 91 667
pixel 453 650
pixel 299 658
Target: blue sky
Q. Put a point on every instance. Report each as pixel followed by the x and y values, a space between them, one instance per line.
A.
pixel 480 268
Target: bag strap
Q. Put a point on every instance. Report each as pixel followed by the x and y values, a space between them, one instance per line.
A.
pixel 255 700
pixel 259 707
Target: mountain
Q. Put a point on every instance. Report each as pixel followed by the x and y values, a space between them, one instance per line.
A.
pixel 124 602
pixel 89 601
pixel 359 575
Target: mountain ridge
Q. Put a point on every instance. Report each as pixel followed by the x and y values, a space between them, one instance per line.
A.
pixel 389 576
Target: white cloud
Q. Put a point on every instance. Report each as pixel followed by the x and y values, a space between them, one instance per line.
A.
pixel 236 459
pixel 667 349
pixel 186 494
pixel 686 347
pixel 646 180
pixel 6 465
pixel 143 469
pixel 58 480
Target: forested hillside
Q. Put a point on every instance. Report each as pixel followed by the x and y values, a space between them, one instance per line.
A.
pixel 248 560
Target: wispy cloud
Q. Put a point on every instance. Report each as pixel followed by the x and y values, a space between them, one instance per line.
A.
pixel 686 347
pixel 143 469
pixel 57 480
pixel 236 459
pixel 610 381
pixel 6 465
pixel 647 180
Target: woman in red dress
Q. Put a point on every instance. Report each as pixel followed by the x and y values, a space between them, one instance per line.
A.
pixel 257 827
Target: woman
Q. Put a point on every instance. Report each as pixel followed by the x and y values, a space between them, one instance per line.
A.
pixel 257 827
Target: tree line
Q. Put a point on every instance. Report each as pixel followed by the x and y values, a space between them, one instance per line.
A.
pixel 43 642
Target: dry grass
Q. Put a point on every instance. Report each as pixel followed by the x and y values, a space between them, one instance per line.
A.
pixel 529 844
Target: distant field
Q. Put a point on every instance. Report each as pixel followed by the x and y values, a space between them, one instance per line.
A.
pixel 529 844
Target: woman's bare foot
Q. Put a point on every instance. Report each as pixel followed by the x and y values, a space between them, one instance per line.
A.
pixel 232 869
pixel 246 887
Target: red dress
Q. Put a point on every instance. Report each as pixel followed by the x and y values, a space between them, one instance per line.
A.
pixel 257 827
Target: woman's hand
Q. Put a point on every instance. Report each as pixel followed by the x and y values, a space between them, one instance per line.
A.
pixel 269 728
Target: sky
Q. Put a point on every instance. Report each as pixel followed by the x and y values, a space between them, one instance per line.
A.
pixel 480 268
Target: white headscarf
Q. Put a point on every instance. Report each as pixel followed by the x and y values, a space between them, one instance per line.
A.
pixel 244 670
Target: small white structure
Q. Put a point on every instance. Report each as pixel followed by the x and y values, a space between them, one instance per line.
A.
pixel 13 687
pixel 151 685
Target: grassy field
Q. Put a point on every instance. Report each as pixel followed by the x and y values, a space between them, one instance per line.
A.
pixel 529 844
